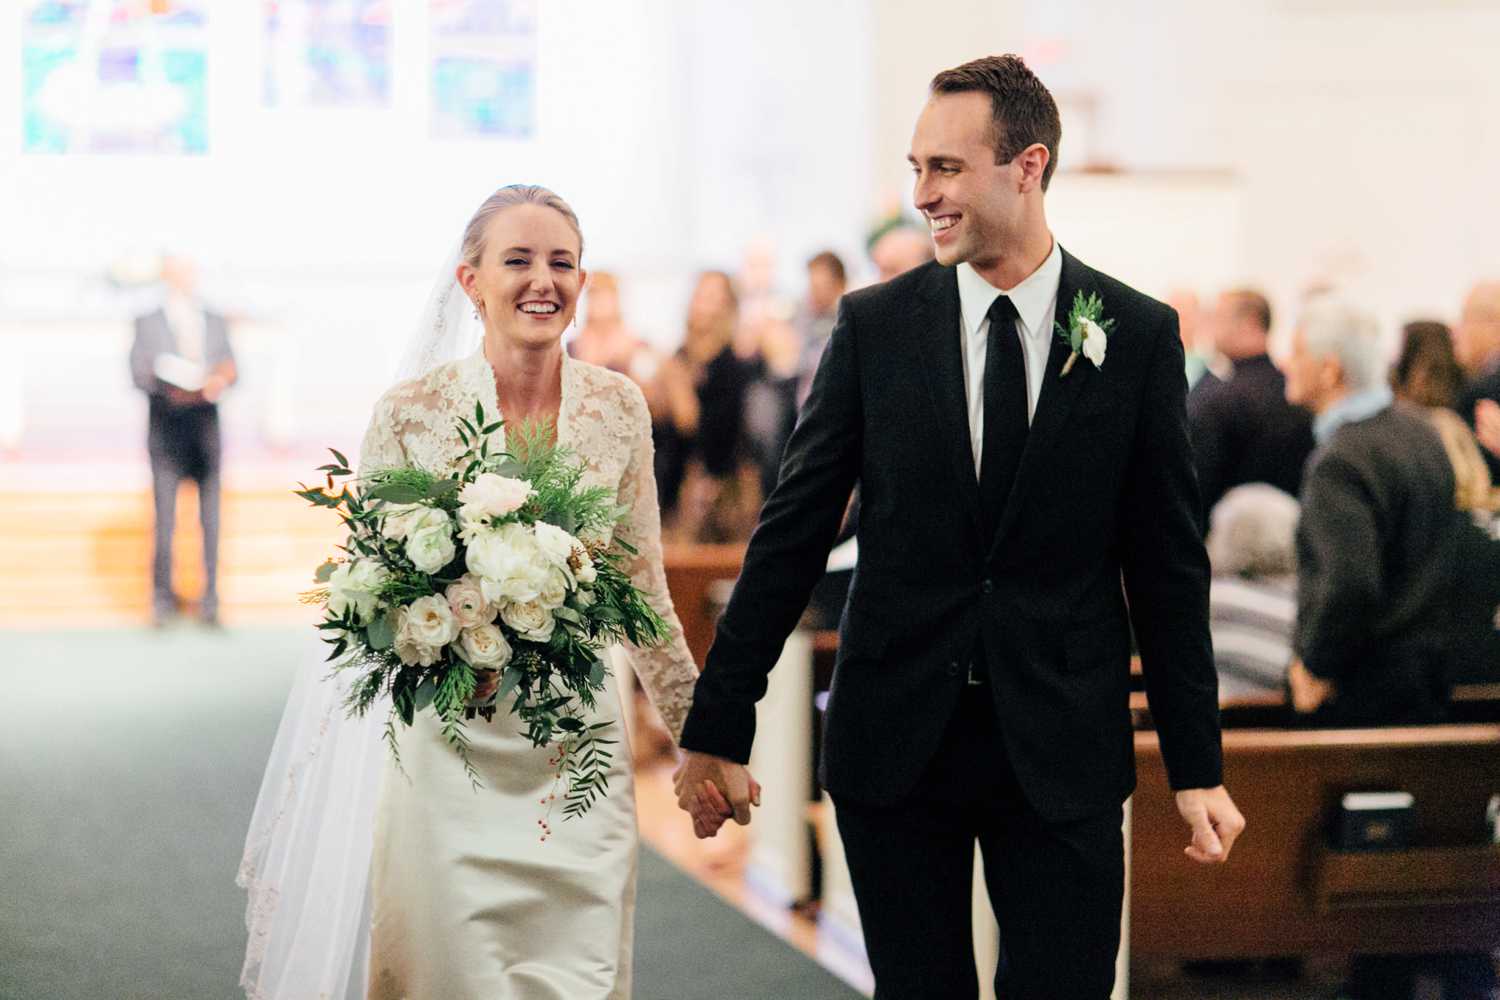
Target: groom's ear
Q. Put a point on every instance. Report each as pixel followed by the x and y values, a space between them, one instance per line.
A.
pixel 1032 162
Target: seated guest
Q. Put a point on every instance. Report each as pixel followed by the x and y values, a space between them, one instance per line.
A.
pixel 1253 598
pixel 1428 374
pixel 1243 428
pixel 1378 537
pixel 1477 340
pixel 1377 546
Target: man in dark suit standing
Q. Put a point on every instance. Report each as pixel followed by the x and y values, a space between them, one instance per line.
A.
pixel 182 360
pixel 1008 479
pixel 1243 429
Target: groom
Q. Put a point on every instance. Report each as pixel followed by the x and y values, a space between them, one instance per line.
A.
pixel 1008 488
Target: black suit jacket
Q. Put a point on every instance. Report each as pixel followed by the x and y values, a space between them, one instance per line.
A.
pixel 186 436
pixel 1105 487
pixel 1377 544
pixel 1244 431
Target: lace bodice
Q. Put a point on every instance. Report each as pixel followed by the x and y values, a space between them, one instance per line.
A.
pixel 604 422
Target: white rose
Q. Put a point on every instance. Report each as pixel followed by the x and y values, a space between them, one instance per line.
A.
pixel 353 585
pixel 467 601
pixel 529 619
pixel 491 495
pixel 396 520
pixel 430 550
pixel 484 647
pixel 1093 342
pixel 412 652
pixel 430 621
pixel 555 593
pixel 509 564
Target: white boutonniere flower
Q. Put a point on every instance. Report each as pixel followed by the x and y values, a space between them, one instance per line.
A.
pixel 1087 332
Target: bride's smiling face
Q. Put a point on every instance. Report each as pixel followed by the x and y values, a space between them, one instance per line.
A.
pixel 528 279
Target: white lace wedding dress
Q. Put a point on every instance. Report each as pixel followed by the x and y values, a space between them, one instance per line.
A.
pixel 465 900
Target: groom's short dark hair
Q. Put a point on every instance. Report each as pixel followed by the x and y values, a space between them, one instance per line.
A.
pixel 1024 111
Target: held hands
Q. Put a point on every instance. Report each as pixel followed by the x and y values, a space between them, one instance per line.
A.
pixel 712 789
pixel 1215 822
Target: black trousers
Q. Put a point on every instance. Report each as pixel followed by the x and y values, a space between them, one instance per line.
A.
pixel 184 444
pixel 1056 889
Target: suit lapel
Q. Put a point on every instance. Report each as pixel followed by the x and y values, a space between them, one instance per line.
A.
pixel 1056 400
pixel 936 319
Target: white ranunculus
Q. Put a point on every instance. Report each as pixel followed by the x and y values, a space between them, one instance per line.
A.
pixel 466 599
pixel 430 621
pixel 509 564
pixel 484 647
pixel 529 619
pixel 429 540
pixel 396 519
pixel 554 541
pixel 412 651
pixel 1094 342
pixel 492 495
pixel 353 585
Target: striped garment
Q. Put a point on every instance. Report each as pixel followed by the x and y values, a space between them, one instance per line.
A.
pixel 1251 621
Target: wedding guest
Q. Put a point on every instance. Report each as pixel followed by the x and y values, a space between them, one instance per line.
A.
pixel 605 340
pixel 1378 536
pixel 704 460
pixel 1244 430
pixel 1197 339
pixel 1477 339
pixel 898 249
pixel 771 400
pixel 826 284
pixel 181 359
pixel 1252 602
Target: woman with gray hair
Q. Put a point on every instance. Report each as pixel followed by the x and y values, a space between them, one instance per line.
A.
pixel 1253 597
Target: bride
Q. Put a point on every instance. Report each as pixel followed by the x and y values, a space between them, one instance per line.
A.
pixel 364 881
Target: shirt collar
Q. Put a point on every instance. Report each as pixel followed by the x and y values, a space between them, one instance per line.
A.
pixel 1032 297
pixel 1351 409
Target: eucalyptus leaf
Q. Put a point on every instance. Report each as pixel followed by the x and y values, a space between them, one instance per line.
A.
pixel 325 572
pixel 381 633
pixel 396 493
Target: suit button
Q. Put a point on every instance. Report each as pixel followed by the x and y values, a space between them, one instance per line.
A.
pixel 953 668
pixel 988 586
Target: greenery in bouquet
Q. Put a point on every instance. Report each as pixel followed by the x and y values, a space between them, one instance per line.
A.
pixel 500 583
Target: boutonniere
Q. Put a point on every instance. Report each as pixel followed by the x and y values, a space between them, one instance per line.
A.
pixel 1087 332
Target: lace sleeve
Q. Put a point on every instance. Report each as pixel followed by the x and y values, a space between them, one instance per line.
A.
pixel 381 449
pixel 667 671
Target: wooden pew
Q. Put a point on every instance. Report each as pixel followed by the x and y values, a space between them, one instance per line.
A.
pixel 692 570
pixel 1285 891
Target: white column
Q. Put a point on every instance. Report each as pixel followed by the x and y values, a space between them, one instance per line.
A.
pixel 782 758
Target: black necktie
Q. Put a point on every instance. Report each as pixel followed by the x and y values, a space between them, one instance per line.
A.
pixel 1005 421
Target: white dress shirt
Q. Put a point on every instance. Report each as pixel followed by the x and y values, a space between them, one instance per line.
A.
pixel 189 329
pixel 1035 300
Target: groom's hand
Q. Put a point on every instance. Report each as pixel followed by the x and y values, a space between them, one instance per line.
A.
pixel 712 789
pixel 1214 820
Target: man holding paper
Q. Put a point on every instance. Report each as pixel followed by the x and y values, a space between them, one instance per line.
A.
pixel 182 360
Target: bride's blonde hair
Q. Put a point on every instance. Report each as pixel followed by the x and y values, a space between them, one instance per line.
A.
pixel 508 197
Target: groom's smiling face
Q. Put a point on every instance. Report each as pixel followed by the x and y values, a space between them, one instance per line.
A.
pixel 972 204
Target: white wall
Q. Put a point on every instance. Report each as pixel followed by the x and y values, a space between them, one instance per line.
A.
pixel 679 130
pixel 1364 133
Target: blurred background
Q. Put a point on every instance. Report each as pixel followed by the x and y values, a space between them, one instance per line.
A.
pixel 285 176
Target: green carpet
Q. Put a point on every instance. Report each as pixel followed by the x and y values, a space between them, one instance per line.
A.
pixel 129 765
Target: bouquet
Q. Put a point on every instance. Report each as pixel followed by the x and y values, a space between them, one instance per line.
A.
pixel 454 593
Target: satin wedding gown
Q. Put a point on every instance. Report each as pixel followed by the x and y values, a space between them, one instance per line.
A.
pixel 465 899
